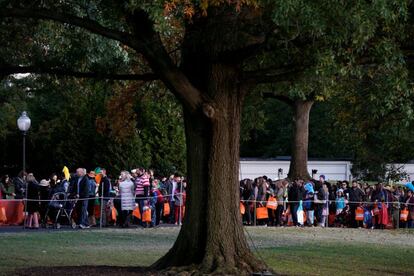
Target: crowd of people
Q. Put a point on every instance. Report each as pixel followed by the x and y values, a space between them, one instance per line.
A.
pixel 320 203
pixel 93 199
pixel 137 196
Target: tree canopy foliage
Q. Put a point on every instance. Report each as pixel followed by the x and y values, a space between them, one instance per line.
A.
pixel 89 123
pixel 209 54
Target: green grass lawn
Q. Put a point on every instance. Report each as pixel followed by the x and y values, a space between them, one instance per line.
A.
pixel 287 251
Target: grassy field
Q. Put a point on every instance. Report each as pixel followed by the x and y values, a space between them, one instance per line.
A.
pixel 287 250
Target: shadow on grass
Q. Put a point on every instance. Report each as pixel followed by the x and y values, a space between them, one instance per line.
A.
pixel 85 270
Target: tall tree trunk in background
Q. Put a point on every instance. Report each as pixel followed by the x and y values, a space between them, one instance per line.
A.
pixel 299 163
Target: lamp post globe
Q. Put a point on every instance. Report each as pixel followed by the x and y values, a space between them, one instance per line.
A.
pixel 24 122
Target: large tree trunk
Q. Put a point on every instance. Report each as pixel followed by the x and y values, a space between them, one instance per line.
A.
pixel 212 239
pixel 299 164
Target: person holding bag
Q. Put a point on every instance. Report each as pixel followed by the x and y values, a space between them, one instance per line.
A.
pixel 410 205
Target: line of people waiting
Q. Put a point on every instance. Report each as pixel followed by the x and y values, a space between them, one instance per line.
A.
pixel 135 196
pixel 320 203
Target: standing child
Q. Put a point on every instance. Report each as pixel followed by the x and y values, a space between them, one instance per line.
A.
pixel 179 203
pixel 368 217
pixel 340 201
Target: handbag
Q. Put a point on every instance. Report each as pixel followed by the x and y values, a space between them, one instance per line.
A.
pixel 146 215
pixel 404 215
pixel 136 213
pixel 271 203
pixel 242 208
pixel 261 213
pixel 359 214
pixel 167 209
pixel 113 214
pixel 3 217
pixel 300 214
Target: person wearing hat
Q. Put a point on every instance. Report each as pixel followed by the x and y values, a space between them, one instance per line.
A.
pixel 91 201
pixel 44 187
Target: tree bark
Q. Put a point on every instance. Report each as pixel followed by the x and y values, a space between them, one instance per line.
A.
pixel 299 163
pixel 212 239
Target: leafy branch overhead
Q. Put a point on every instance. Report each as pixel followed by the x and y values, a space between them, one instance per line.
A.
pixel 325 42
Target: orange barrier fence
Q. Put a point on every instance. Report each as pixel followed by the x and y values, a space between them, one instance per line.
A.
pixel 11 212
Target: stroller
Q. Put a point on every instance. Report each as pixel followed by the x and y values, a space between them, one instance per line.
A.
pixel 60 206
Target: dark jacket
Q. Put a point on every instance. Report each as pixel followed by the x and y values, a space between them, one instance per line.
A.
pixel 106 185
pixel 56 189
pixel 83 189
pixel 33 194
pixel 92 187
pixel 295 193
pixel 19 188
pixel 355 194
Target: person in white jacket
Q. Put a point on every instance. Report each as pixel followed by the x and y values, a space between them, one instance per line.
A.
pixel 127 192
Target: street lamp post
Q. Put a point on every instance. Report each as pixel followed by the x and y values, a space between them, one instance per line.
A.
pixel 23 123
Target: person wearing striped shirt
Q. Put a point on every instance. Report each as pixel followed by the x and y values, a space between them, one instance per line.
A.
pixel 142 188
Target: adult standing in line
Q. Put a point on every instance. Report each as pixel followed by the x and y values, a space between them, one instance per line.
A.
pixel 355 198
pixel 410 204
pixel 91 201
pixel 33 207
pixel 280 192
pixel 295 194
pixel 44 187
pixel 20 185
pixel 105 190
pixel 142 190
pixel 172 187
pixel 126 191
pixel 82 193
pixel 6 188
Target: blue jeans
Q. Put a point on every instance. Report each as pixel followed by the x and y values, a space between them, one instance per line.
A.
pixel 294 210
pixel 84 213
pixel 153 215
pixel 310 217
pixel 140 202
pixel 172 208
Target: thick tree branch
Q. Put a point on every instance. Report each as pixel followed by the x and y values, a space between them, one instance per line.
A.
pixel 279 97
pixel 160 62
pixel 9 70
pixel 85 23
pixel 273 75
